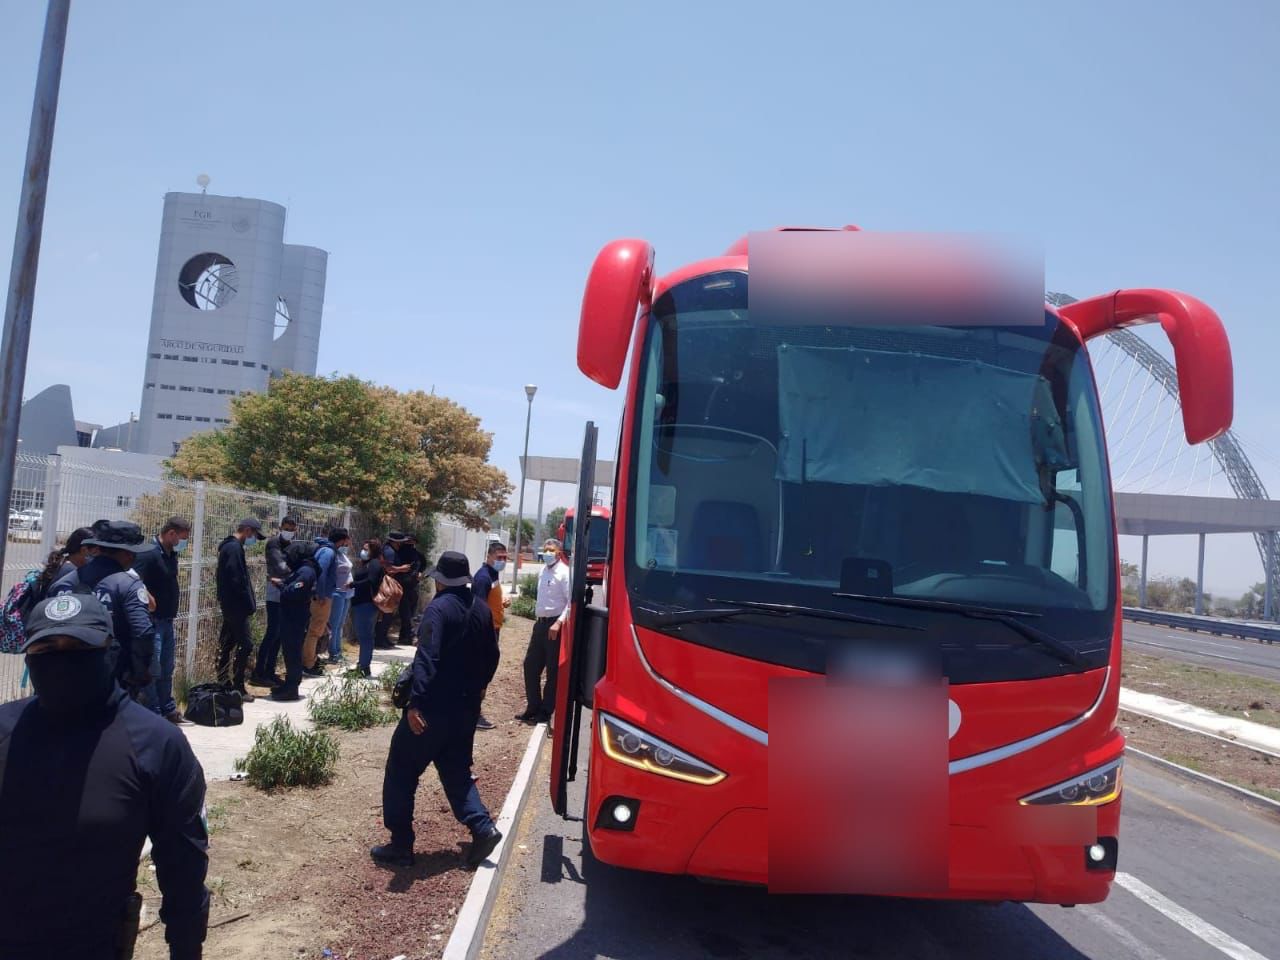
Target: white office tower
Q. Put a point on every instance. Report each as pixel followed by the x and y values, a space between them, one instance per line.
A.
pixel 234 304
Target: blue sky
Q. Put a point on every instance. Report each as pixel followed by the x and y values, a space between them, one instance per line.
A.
pixel 463 167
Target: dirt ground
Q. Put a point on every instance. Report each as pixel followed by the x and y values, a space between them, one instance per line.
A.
pixel 1233 694
pixel 1226 761
pixel 290 874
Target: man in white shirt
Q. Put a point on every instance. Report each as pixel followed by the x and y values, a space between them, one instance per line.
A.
pixel 544 646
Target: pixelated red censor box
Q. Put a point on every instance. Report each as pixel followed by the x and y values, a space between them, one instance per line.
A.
pixel 858 786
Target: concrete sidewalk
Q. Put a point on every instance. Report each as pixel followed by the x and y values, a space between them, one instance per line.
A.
pixel 218 747
pixel 1259 736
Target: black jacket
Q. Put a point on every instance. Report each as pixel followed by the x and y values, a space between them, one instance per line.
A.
pixel 235 590
pixel 158 569
pixel 366 580
pixel 277 565
pixel 125 595
pixel 457 654
pixel 76 804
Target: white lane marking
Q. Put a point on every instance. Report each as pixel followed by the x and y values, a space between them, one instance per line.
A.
pixel 1136 946
pixel 1187 920
pixel 1197 653
pixel 1203 642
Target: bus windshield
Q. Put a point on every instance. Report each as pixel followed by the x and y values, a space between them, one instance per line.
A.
pixel 825 464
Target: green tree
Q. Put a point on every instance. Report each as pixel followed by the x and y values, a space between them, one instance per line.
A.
pixel 554 519
pixel 398 456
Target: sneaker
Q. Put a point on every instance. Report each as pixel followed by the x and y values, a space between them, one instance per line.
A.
pixel 392 856
pixel 269 682
pixel 482 846
pixel 528 717
pixel 245 695
pixel 316 671
pixel 484 723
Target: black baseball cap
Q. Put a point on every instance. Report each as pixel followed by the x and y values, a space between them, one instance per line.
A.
pixel 250 522
pixel 80 616
pixel 452 570
pixel 117 535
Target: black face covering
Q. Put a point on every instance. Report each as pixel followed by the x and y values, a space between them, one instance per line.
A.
pixel 71 685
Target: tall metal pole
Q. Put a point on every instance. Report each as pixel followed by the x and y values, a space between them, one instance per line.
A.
pixel 529 390
pixel 26 244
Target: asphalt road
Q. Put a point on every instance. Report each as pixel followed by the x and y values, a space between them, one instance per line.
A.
pixel 1222 653
pixel 1198 882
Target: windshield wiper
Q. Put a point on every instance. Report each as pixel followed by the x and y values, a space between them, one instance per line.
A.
pixel 1045 641
pixel 795 609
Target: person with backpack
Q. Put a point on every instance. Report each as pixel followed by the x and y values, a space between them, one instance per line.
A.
pixel 296 592
pixel 109 577
pixel 22 599
pixel 321 603
pixel 238 603
pixel 264 671
pixel 366 580
pixel 75 553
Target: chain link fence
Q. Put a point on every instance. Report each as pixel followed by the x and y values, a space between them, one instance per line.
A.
pixel 53 496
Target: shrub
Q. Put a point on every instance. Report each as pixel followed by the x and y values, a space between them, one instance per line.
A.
pixel 391 675
pixel 284 757
pixel 347 703
pixel 529 585
pixel 525 606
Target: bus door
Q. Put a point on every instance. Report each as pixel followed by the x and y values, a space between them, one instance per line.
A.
pixel 581 643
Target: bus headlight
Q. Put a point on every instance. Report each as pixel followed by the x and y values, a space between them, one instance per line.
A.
pixel 635 748
pixel 1092 788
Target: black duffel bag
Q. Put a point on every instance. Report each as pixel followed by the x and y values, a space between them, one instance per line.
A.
pixel 213 705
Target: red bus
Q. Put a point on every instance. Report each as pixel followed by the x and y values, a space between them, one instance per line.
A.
pixel 861 632
pixel 597 541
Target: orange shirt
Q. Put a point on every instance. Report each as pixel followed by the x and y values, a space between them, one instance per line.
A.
pixel 495 605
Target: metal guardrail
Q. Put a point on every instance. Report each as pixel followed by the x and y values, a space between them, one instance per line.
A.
pixel 1222 628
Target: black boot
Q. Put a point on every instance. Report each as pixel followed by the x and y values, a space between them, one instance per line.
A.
pixel 482 845
pixel 392 856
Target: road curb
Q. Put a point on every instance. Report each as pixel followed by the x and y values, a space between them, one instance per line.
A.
pixel 468 932
pixel 1269 807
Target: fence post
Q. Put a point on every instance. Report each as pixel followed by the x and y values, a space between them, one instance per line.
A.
pixel 346 519
pixel 52 494
pixel 193 596
pixel 284 509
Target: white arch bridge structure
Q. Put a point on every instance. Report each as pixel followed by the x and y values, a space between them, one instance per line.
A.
pixel 1164 486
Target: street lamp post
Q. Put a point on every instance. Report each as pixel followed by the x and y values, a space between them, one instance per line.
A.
pixel 529 390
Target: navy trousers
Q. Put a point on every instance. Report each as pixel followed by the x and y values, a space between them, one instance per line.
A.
pixel 269 649
pixel 447 743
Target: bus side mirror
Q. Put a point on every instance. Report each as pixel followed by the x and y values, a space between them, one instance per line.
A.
pixel 620 284
pixel 1200 348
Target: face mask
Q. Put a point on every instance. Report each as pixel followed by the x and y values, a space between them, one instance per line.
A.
pixel 364 554
pixel 71 685
pixel 287 535
pixel 250 541
pixel 499 565
pixel 180 546
pixel 549 558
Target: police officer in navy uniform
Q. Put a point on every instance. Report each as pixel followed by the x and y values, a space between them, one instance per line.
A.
pixel 456 658
pixel 86 775
pixel 109 577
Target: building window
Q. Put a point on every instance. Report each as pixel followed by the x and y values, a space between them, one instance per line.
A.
pixel 171 356
pixel 176 445
pixel 164 416
pixel 191 359
pixel 183 417
pixel 151 386
pixel 205 389
pixel 202 419
pixel 155 356
pixel 84 439
pixel 167 386
pixel 231 363
pixel 221 420
pixel 124 501
pixel 187 389
pixel 226 392
pixel 265 366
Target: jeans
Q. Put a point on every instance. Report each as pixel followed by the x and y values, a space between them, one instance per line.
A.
pixel 364 615
pixel 160 693
pixel 269 649
pixel 447 743
pixel 337 619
